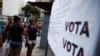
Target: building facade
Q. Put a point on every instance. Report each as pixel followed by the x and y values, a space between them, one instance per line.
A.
pixel 1 1
pixel 48 51
pixel 43 0
pixel 12 8
pixel 38 0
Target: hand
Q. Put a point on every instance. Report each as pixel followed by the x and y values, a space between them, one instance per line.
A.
pixel 36 25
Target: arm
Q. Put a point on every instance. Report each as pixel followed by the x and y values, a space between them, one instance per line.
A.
pixel 38 30
pixel 5 29
pixel 26 33
pixel 6 26
pixel 26 36
pixel 5 33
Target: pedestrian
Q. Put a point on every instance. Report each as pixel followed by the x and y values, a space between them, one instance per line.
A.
pixel 16 31
pixel 1 43
pixel 6 36
pixel 31 33
pixel 6 28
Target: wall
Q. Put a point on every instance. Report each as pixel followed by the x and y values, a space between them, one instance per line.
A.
pixel 12 8
pixel 22 2
pixel 38 0
pixel 44 33
pixel 1 6
pixel 50 52
pixel 42 0
pixel 1 0
pixel 46 0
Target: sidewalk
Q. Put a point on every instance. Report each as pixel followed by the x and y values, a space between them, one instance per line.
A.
pixel 36 51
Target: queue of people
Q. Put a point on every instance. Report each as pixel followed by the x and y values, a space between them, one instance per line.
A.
pixel 13 34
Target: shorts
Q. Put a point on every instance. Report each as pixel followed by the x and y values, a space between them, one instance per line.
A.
pixel 15 44
pixel 31 41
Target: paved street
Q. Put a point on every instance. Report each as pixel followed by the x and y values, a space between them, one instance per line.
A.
pixel 36 50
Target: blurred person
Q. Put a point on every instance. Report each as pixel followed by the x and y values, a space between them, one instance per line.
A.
pixel 16 31
pixel 6 28
pixel 1 43
pixel 5 34
pixel 31 33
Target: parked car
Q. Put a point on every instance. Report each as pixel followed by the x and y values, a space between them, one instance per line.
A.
pixel 3 23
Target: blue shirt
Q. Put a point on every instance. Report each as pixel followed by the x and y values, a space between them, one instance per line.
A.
pixel 1 31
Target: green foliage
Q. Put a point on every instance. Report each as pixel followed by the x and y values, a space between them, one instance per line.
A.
pixel 30 10
pixel 51 0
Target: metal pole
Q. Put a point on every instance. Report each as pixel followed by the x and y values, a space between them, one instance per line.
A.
pixel 46 49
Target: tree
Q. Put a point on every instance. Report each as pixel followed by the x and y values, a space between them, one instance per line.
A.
pixel 51 0
pixel 30 10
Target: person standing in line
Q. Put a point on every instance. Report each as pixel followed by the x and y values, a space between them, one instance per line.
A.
pixel 1 42
pixel 6 28
pixel 6 36
pixel 31 33
pixel 16 31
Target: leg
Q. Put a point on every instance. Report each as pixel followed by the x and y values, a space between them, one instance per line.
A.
pixel 18 51
pixel 12 49
pixel 30 48
pixel 16 48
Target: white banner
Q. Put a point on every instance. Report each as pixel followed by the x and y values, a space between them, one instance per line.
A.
pixel 74 27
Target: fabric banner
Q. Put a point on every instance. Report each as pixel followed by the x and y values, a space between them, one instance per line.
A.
pixel 74 28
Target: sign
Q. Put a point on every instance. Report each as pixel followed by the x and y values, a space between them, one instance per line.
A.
pixel 74 28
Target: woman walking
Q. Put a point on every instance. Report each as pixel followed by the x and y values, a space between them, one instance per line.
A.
pixel 31 33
